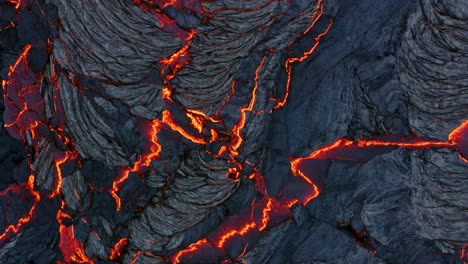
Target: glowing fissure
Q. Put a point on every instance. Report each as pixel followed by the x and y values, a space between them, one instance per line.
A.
pixel 13 229
pixel 263 213
pixel 144 161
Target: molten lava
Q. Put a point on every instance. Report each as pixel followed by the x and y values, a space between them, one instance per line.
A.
pixel 291 61
pixel 25 112
pixel 13 229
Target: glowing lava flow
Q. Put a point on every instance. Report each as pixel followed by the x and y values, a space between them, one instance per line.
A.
pixel 72 249
pixel 135 258
pixel 168 119
pixel 14 229
pixel 58 163
pixel 464 254
pixel 17 3
pixel 459 136
pixel 222 236
pixel 24 106
pixel 190 249
pixel 268 206
pixel 116 251
pixel 173 64
pixel 144 161
pixel 155 150
pixel 237 130
pixel 178 60
pixel 291 61
pixel 263 214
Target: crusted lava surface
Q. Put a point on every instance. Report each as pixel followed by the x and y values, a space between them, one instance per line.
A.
pixel 259 131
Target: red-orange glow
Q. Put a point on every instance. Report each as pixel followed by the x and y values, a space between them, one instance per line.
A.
pixel 72 249
pixel 315 155
pixel 326 151
pixel 237 130
pixel 144 161
pixel 289 62
pixel 119 246
pixel 23 101
pixel 168 119
pixel 233 89
pixel 295 170
pixel 155 148
pixel 266 214
pixel 362 143
pixel 458 133
pixel 292 202
pixel 191 249
pixel 116 188
pixel 178 60
pixel 214 135
pixel 14 229
pixel 459 137
pixel 221 151
pixel 202 116
pixel 174 63
pixel 58 163
pixel 228 232
pixel 234 173
pixel 242 254
pixel 22 58
pixel 17 3
pixel 246 228
pixel 187 5
pixel 135 258
pixel 464 254
pixel 259 182
pixel 463 158
pixel 167 94
pixel 196 121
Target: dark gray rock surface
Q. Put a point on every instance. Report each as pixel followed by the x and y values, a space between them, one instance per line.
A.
pixel 391 69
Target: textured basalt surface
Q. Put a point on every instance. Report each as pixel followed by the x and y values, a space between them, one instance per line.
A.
pixel 259 131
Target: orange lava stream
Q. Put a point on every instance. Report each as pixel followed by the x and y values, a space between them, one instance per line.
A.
pixel 58 163
pixel 168 119
pixel 237 130
pixel 266 214
pixel 116 251
pixel 178 60
pixel 455 137
pixel 17 3
pixel 144 161
pixel 235 145
pixel 190 249
pixel 135 258
pixel 14 229
pixel 195 121
pixel 246 228
pixel 291 61
pixel 72 249
pixel 464 254
pixel 459 133
pixel 21 58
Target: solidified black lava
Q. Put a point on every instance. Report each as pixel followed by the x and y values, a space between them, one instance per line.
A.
pixel 173 131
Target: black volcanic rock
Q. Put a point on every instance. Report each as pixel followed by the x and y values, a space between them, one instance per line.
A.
pixel 155 131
